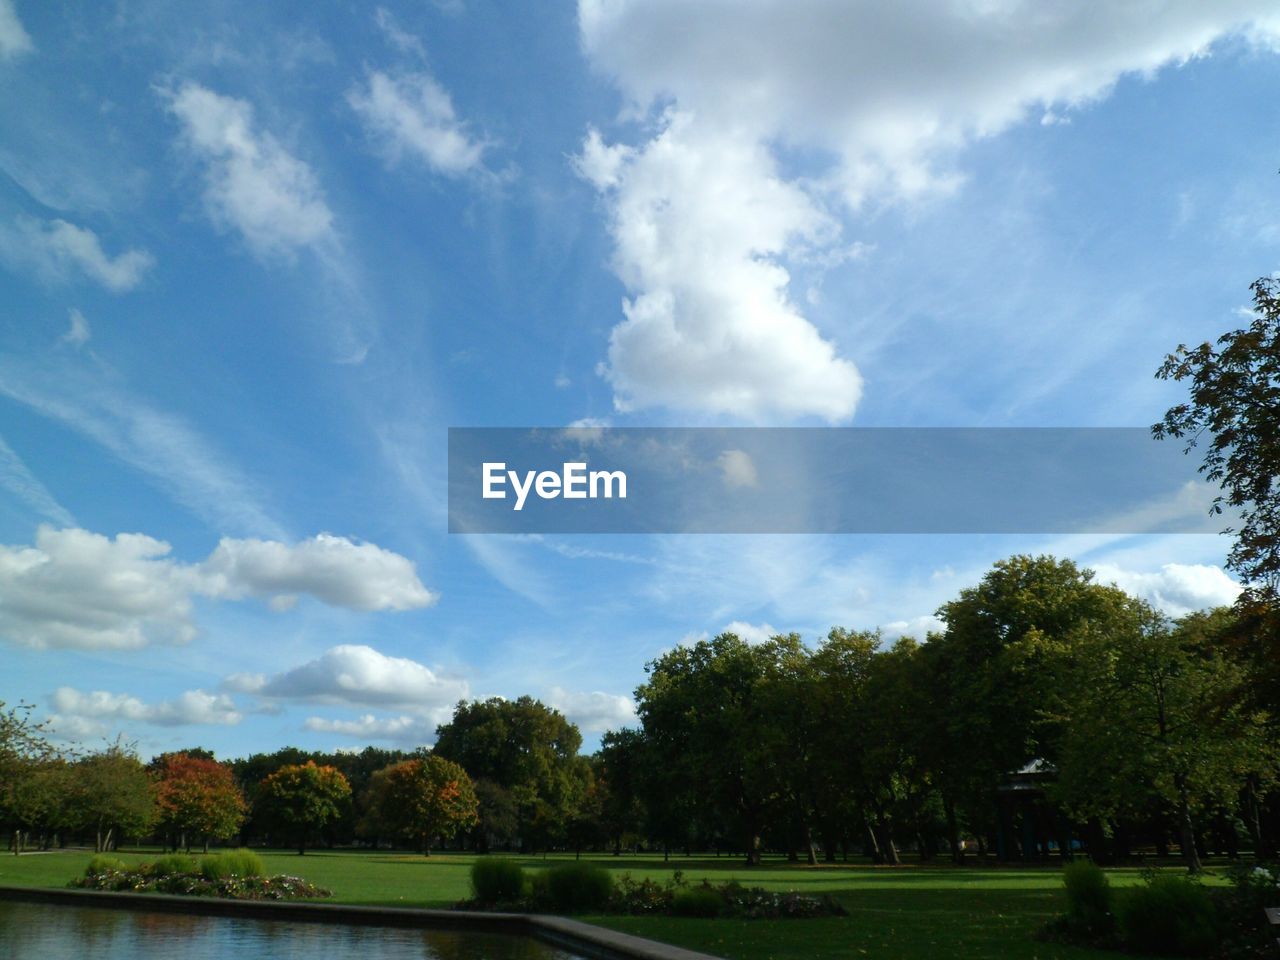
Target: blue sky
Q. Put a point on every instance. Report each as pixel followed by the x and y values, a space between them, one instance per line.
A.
pixel 257 258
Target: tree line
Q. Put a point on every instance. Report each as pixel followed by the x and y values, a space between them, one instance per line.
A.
pixel 1051 714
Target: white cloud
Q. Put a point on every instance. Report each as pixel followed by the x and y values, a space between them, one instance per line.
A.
pixel 334 570
pixel 917 627
pixel 16 478
pixel 77 589
pixel 413 114
pixel 594 712
pixel 871 102
pixel 78 333
pixel 753 633
pixel 14 40
pixel 401 729
pixel 77 712
pixel 55 250
pixel 1176 588
pixel 737 469
pixel 82 590
pixel 701 222
pixel 252 183
pixel 357 674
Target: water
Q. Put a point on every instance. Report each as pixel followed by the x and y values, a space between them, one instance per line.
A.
pixel 30 931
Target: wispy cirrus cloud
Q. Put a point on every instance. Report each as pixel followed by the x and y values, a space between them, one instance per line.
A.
pixel 58 251
pixel 253 184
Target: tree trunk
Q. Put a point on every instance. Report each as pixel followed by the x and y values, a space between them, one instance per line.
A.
pixel 812 858
pixel 953 831
pixel 1186 830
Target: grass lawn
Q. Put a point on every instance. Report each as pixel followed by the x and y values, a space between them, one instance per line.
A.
pixel 896 913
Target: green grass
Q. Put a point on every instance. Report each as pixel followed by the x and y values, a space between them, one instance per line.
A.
pixel 896 913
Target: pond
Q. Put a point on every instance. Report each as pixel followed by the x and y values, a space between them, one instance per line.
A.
pixel 31 931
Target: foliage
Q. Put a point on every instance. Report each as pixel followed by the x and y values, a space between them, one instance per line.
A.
pixel 197 797
pixel 173 864
pixel 1090 916
pixel 100 863
pixel 423 798
pixel 184 877
pixel 497 880
pixel 578 887
pixel 1235 398
pixel 232 863
pixel 108 791
pixel 700 901
pixel 1169 916
pixel 303 798
pixel 527 749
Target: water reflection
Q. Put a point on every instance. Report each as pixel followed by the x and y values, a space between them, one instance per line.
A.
pixel 49 932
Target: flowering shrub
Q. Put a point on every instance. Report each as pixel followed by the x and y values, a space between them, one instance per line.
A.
pixel 146 878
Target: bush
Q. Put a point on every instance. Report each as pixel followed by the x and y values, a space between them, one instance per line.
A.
pixel 697 902
pixel 575 887
pixel 497 880
pixel 172 865
pixel 1089 908
pixel 1171 915
pixel 233 863
pixel 101 864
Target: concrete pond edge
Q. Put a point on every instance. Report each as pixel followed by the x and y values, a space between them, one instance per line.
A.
pixel 585 939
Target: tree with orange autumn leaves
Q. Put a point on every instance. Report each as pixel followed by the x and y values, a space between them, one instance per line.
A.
pixel 197 798
pixel 422 799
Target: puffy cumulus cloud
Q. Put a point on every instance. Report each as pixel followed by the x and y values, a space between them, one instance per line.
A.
pixel 14 39
pixel 78 713
pixel 334 570
pixel 56 250
pixel 252 183
pixel 917 627
pixel 82 590
pixel 875 99
pixel 413 114
pixel 594 712
pixel 889 87
pixel 737 469
pixel 78 589
pixel 401 729
pixel 751 632
pixel 357 674
pixel 700 222
pixel 1176 588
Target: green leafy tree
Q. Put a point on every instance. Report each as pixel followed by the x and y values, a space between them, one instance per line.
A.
pixel 27 767
pixel 705 712
pixel 529 750
pixel 111 794
pixel 1155 716
pixel 424 798
pixel 302 799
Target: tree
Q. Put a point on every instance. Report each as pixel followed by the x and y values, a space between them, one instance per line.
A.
pixel 110 794
pixel 705 711
pixel 1155 717
pixel 27 764
pixel 527 749
pixel 302 799
pixel 424 798
pixel 196 797
pixel 1235 398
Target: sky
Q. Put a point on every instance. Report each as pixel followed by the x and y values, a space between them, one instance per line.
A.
pixel 256 259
